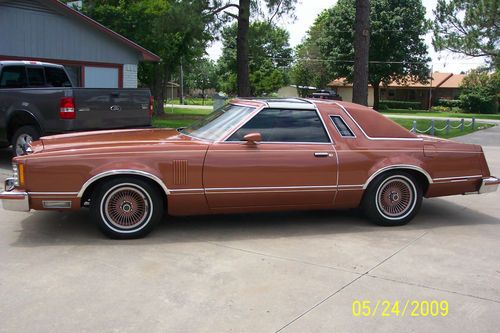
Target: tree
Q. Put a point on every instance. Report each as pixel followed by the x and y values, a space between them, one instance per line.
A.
pixel 173 29
pixel 275 8
pixel 202 74
pixel 469 27
pixel 361 52
pixel 309 68
pixel 480 91
pixel 397 48
pixel 269 53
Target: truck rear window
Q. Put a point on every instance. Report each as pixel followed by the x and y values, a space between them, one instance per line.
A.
pixel 56 77
pixel 13 77
pixel 36 77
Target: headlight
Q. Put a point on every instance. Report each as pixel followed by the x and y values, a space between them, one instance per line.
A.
pixel 18 174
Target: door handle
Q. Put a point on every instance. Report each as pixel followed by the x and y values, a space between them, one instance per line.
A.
pixel 321 154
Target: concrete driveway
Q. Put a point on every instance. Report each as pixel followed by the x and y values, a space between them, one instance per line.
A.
pixel 297 272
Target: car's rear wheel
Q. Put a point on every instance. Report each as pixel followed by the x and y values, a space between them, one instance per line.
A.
pixel 23 136
pixel 126 208
pixel 393 198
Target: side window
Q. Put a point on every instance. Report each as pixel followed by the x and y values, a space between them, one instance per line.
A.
pixel 279 125
pixel 36 77
pixel 56 77
pixel 13 77
pixel 342 127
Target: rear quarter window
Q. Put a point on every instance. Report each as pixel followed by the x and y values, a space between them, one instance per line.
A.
pixel 13 77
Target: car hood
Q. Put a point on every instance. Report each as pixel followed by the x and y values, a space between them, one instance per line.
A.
pixel 111 139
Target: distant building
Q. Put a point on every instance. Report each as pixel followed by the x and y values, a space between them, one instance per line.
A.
pixel 50 31
pixel 440 86
pixel 293 91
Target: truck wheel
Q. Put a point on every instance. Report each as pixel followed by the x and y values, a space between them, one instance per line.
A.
pixel 392 199
pixel 23 136
pixel 126 208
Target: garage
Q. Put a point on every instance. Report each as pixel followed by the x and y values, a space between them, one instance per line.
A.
pixel 50 31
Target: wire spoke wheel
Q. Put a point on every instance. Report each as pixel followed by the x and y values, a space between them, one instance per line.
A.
pixel 126 207
pixel 395 197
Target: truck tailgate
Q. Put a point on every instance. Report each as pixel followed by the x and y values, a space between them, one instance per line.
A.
pixel 111 108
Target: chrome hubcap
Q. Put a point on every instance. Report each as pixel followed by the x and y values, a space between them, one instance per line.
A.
pixel 22 142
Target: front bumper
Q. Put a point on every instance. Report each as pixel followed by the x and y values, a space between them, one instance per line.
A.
pixel 13 199
pixel 489 185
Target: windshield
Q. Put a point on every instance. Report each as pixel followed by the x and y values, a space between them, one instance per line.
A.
pixel 216 124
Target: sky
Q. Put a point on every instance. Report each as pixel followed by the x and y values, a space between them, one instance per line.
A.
pixel 307 11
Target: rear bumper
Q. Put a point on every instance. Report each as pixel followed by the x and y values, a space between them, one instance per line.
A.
pixel 489 185
pixel 13 199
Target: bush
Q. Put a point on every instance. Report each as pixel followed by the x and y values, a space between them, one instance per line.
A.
pixel 451 103
pixel 478 103
pixel 479 92
pixel 393 104
pixel 440 109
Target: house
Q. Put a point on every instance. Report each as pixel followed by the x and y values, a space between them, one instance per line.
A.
pixel 293 91
pixel 50 31
pixel 440 86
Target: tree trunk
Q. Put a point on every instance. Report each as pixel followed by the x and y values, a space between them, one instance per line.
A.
pixel 161 79
pixel 376 94
pixel 361 52
pixel 242 51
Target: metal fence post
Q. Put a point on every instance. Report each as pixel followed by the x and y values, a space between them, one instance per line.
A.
pixel 414 129
pixel 473 122
pixel 432 127
pixel 447 126
pixel 462 125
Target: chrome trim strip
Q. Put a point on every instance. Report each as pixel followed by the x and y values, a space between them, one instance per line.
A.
pixel 54 193
pixel 325 187
pixel 123 172
pixel 371 138
pixel 398 166
pixel 456 178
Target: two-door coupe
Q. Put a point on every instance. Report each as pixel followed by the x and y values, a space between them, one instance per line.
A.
pixel 251 155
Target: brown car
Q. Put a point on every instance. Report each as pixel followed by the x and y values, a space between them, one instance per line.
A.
pixel 252 155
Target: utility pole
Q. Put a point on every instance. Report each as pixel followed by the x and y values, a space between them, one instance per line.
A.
pixel 361 52
pixel 181 97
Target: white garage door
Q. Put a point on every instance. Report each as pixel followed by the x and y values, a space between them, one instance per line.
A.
pixel 101 77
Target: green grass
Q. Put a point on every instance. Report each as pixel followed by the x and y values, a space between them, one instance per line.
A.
pixel 178 117
pixel 423 124
pixel 389 112
pixel 192 101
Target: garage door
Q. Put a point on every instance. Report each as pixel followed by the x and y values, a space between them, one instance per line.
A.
pixel 101 77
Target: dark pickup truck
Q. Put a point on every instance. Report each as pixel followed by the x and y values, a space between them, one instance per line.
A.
pixel 38 99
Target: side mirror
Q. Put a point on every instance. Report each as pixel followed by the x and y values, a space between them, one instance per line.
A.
pixel 252 138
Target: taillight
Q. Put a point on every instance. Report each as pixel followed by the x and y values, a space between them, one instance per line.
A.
pixel 67 108
pixel 150 106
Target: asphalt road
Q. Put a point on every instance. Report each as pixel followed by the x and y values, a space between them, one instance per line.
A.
pixel 297 272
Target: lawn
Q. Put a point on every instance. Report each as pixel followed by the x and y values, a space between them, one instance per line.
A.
pixel 178 117
pixel 495 116
pixel 424 124
pixel 191 101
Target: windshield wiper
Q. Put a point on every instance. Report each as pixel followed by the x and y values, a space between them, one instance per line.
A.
pixel 180 129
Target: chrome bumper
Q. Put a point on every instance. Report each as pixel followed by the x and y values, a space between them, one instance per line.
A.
pixel 489 185
pixel 14 200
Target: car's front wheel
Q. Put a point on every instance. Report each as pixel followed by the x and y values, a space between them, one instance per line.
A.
pixel 126 208
pixel 392 199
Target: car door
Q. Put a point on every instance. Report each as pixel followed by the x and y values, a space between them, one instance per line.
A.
pixel 295 164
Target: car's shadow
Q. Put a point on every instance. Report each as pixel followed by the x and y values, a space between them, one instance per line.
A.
pixel 5 159
pixel 76 228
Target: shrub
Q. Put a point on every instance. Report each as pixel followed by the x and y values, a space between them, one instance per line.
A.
pixel 479 92
pixel 394 104
pixel 451 103
pixel 439 108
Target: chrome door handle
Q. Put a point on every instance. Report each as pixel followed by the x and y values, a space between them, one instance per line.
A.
pixel 321 154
